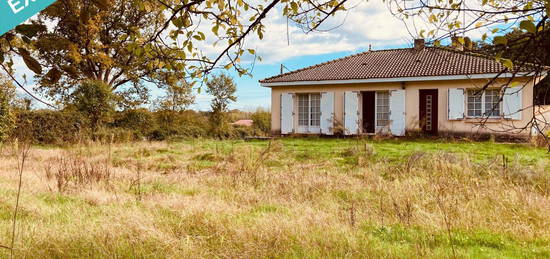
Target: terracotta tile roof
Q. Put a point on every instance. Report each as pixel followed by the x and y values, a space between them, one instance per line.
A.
pixel 410 62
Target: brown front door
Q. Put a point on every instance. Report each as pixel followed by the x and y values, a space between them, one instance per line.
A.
pixel 428 111
pixel 369 106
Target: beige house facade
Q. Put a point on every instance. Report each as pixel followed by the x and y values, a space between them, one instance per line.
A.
pixel 429 90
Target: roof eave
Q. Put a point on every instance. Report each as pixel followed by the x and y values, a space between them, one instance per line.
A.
pixel 401 79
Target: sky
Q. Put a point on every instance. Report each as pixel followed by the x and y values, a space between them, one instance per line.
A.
pixel 368 24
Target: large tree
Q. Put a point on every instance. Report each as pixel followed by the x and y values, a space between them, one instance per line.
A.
pixel 126 43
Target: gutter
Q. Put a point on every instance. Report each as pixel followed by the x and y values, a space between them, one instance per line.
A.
pixel 401 79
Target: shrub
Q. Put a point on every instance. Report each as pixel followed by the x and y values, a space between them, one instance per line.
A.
pixel 95 100
pixel 179 124
pixel 262 121
pixel 139 121
pixel 50 127
pixel 7 117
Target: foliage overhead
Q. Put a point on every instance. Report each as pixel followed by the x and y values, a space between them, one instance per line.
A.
pixel 130 42
pixel 490 18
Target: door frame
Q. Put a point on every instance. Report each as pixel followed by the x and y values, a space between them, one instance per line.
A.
pixel 423 102
pixel 307 129
pixel 364 108
pixel 374 106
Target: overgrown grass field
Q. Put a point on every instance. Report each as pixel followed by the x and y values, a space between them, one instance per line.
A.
pixel 285 198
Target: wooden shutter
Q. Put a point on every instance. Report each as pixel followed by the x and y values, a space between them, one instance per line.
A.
pixel 351 110
pixel 456 104
pixel 327 113
pixel 512 103
pixel 397 113
pixel 287 113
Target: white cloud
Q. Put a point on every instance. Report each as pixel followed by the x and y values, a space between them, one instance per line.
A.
pixel 368 23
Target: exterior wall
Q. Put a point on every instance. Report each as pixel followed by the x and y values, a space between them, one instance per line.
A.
pixel 542 114
pixel 412 104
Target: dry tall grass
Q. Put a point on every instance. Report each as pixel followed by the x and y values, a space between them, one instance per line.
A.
pixel 241 200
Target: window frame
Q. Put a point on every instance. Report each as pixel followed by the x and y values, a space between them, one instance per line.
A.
pixel 307 113
pixel 483 102
pixel 377 112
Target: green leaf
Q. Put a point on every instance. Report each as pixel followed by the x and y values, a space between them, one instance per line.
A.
pixel 215 29
pixel 294 7
pixel 507 63
pixel 528 26
pixel 500 40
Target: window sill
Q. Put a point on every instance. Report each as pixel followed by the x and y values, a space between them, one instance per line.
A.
pixel 484 120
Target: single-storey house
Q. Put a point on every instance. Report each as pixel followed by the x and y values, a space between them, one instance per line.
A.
pixel 424 89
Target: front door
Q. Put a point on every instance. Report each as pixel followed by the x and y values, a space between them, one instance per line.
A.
pixel 428 111
pixel 369 112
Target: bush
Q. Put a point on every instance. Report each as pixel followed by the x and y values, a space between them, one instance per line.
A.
pixel 139 121
pixel 7 117
pixel 95 100
pixel 262 121
pixel 70 126
pixel 50 127
pixel 179 124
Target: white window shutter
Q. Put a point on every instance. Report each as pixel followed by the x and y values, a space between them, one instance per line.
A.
pixel 397 113
pixel 287 113
pixel 327 113
pixel 456 104
pixel 351 113
pixel 512 103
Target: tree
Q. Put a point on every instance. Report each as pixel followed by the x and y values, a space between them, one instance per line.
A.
pixel 223 89
pixel 95 100
pixel 108 41
pixel 530 52
pixel 177 98
pixel 126 43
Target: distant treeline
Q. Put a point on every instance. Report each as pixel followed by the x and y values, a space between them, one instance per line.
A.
pixel 67 126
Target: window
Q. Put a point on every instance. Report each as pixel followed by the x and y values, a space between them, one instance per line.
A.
pixel 382 109
pixel 309 110
pixel 492 103
pixel 315 117
pixel 303 110
pixel 485 103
